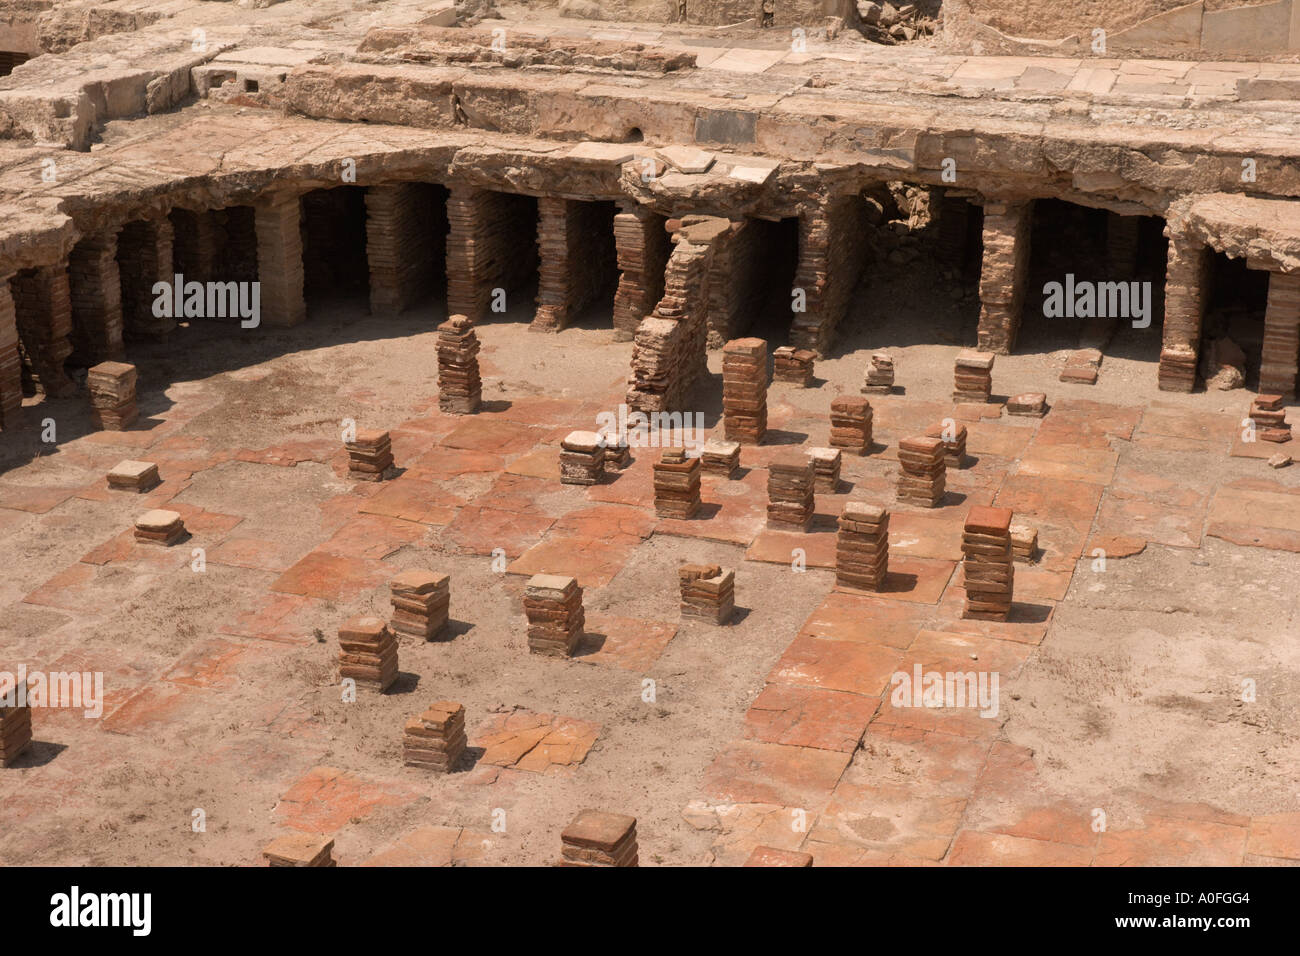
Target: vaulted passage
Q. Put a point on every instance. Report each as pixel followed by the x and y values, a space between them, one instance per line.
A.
pixel 334 246
pixel 1232 333
pixel 10 59
pixel 751 282
pixel 406 245
pixel 578 264
pixel 491 253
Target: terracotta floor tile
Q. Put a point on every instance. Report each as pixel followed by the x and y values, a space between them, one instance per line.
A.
pixel 256 553
pixel 1275 835
pixel 414 499
pixel 1169 841
pixel 331 577
pixel 808 717
pixel 630 643
pixel 327 799
pixel 836 665
pixel 866 619
pixel 536 743
pixel 751 772
pixel 972 848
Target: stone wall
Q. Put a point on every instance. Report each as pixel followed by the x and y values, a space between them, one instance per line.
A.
pixel 1002 277
pixel 832 255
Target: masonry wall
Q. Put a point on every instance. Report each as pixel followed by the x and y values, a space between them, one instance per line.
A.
pixel 405 243
pixel 832 255
pixel 643 247
pixel 577 259
pixel 491 244
pixel 43 307
pixel 96 300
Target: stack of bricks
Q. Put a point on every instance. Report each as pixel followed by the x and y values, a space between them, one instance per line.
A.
pixel 720 457
pixel 300 849
pixel 988 564
pixel 791 493
pixel 1082 367
pixel 953 436
pixel 744 390
pixel 137 476
pixel 617 453
pixel 15 721
pixel 851 424
pixel 368 653
pixel 1024 542
pixel 1268 412
pixel 460 390
pixel 677 484
pixel 880 375
pixel 793 365
pixel 923 476
pixel 826 469
pixel 112 395
pixel 596 838
pixel 973 376
pixel 862 547
pixel 1028 405
pixel 159 527
pixel 421 600
pixel 1177 371
pixel 1281 346
pixel 436 739
pixel 370 455
pixel 582 459
pixel 555 616
pixel 708 592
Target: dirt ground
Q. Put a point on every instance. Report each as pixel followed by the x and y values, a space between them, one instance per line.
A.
pixel 1121 687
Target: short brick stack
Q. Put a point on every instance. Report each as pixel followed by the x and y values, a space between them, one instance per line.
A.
pixel 862 547
pixel 880 375
pixel 744 390
pixel 582 459
pixel 1028 405
pixel 973 376
pixel 771 856
pixel 555 615
pixel 988 568
pixel 436 739
pixel 791 493
pixel 1268 412
pixel 460 390
pixel 677 484
pixel 112 395
pixel 370 455
pixel 720 457
pixel 159 527
pixel 300 849
pixel 826 464
pixel 137 476
pixel 597 838
pixel 368 653
pixel 420 600
pixel 793 366
pixel 1024 543
pixel 15 721
pixel 617 453
pixel 851 424
pixel 923 477
pixel 953 436
pixel 708 592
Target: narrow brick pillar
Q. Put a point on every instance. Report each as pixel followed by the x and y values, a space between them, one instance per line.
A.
pixel 490 245
pixel 1002 277
pixel 11 366
pixel 1185 290
pixel 144 257
pixel 1278 363
pixel 96 299
pixel 643 248
pixel 399 245
pixel 279 259
pixel 44 308
pixel 197 249
pixel 577 260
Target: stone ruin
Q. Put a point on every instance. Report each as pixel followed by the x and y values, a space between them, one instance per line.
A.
pixel 692 212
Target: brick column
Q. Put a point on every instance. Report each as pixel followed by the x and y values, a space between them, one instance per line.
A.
pixel 1278 365
pixel 11 366
pixel 96 299
pixel 832 253
pixel 279 259
pixel 44 307
pixel 144 257
pixel 1185 286
pixel 489 245
pixel 1002 277
pixel 643 248
pixel 399 245
pixel 197 249
pixel 575 245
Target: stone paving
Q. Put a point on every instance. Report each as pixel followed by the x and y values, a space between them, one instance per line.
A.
pixel 231 668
